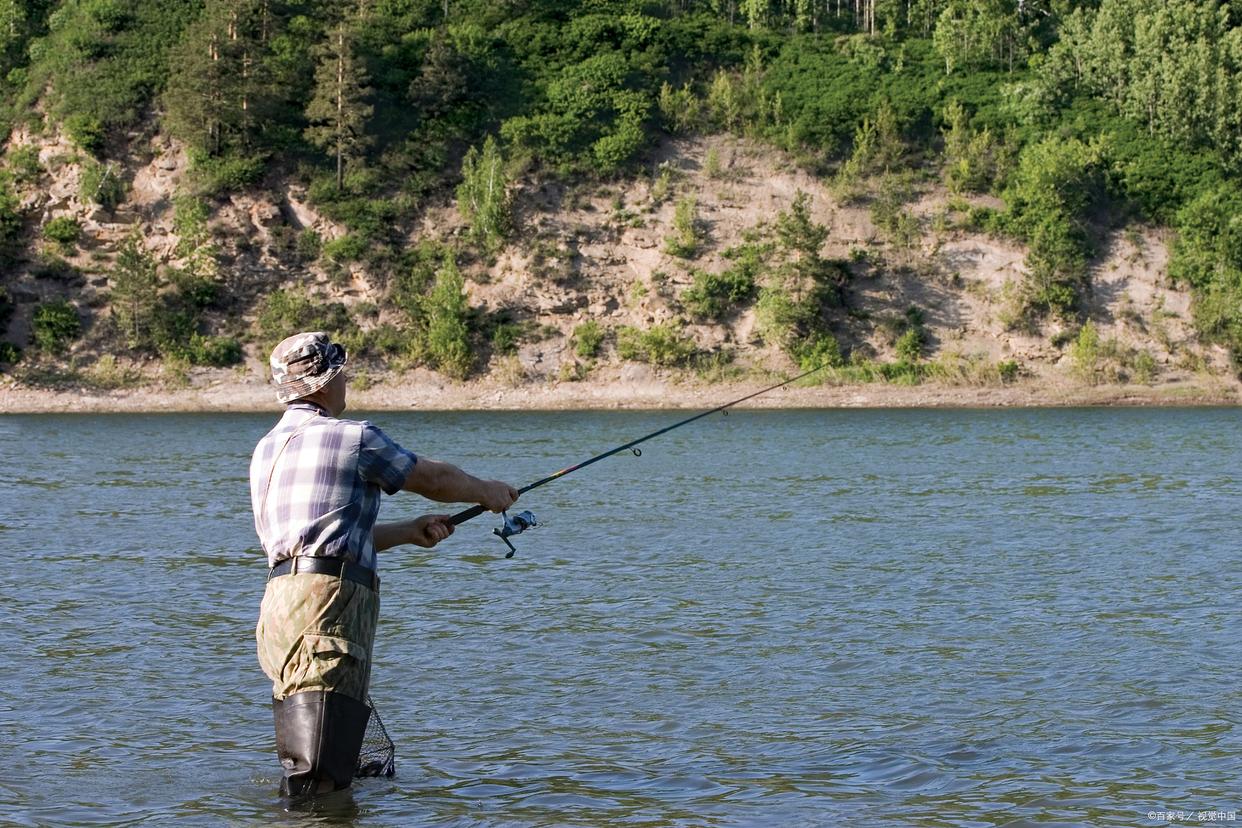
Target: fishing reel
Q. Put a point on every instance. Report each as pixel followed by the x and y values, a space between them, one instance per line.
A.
pixel 514 525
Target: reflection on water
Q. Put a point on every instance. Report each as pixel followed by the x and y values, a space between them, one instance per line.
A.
pixel 912 617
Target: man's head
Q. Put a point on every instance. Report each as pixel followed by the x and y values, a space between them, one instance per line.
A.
pixel 304 364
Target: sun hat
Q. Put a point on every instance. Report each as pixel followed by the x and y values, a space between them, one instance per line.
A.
pixel 304 363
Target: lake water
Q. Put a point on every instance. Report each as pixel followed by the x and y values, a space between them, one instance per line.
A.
pixel 926 618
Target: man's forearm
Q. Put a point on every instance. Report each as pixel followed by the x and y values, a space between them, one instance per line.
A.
pixel 388 535
pixel 443 482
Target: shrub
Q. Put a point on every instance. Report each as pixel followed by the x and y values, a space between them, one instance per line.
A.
pixel 24 162
pixel 9 353
pixel 587 338
pixel 1008 370
pixel 102 184
pixel 1085 353
pixel 63 230
pixel 447 342
pixel 483 195
pixel 217 351
pixel 716 295
pixel 309 245
pixel 685 241
pixel 285 312
pixel 55 325
pixel 817 351
pixel 659 345
pixel 215 176
pixel 347 248
pixel 909 346
pixel 10 216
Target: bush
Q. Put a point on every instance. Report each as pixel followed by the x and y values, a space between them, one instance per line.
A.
pixel 347 248
pixel 1085 353
pixel 225 174
pixel 55 325
pixel 217 351
pixel 659 345
pixel 447 337
pixel 63 230
pixel 9 353
pixel 286 312
pixel 309 245
pixel 685 241
pixel 587 338
pixel 102 184
pixel 717 295
pixel 24 162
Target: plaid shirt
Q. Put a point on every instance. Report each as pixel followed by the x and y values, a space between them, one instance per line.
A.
pixel 315 485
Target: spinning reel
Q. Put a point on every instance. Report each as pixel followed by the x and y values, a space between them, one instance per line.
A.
pixel 514 525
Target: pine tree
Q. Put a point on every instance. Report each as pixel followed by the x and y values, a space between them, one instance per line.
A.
pixel 135 292
pixel 338 111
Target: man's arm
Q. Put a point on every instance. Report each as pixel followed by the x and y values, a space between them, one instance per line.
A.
pixel 446 483
pixel 425 531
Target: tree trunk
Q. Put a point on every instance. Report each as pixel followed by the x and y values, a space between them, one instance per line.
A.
pixel 340 111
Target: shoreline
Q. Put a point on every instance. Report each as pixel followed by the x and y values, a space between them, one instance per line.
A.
pixel 425 391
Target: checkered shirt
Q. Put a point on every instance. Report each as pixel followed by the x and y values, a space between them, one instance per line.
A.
pixel 325 476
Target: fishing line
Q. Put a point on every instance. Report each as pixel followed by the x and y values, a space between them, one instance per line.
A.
pixel 519 523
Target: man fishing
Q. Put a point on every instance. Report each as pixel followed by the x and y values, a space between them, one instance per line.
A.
pixel 315 484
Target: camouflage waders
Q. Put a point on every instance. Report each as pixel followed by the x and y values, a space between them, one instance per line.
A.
pixel 315 635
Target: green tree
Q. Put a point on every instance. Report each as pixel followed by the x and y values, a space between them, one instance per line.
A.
pixel 135 292
pixel 338 111
pixel 447 342
pixel 483 196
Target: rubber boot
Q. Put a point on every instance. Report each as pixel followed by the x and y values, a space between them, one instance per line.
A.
pixel 318 737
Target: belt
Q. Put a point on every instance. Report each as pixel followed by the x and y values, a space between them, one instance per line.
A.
pixel 327 566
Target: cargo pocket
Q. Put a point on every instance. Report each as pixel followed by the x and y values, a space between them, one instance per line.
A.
pixel 339 664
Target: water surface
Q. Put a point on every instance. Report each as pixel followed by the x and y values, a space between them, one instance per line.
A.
pixel 958 618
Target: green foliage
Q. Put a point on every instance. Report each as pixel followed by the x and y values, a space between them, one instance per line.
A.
pixel 135 293
pixel 284 312
pixel 681 112
pixel 348 248
pixel 54 325
pixel 309 245
pixel 664 345
pixel 971 158
pixel 9 353
pixel 587 339
pixel 337 111
pixel 818 350
pixel 447 343
pixel 63 231
pixel 719 295
pixel 10 218
pixel 102 184
pixel 1085 353
pixel 1050 192
pixel 483 196
pixel 215 175
pixel 686 238
pixel 23 162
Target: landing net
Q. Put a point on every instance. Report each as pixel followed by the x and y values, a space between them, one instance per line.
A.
pixel 377 757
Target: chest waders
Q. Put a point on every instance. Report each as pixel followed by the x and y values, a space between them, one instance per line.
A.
pixel 318 738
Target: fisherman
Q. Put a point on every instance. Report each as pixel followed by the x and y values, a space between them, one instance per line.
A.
pixel 315 483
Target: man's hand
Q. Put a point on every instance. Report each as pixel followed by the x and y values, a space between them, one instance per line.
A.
pixel 496 495
pixel 429 530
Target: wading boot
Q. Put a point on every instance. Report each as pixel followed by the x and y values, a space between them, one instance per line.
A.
pixel 318 737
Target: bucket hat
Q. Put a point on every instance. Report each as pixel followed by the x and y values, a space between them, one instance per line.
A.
pixel 304 363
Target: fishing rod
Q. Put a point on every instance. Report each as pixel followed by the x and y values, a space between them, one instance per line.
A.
pixel 519 523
